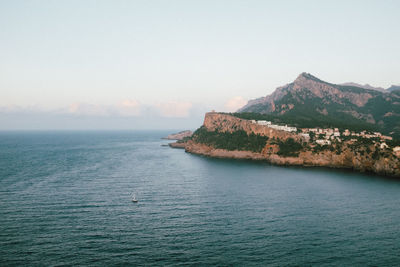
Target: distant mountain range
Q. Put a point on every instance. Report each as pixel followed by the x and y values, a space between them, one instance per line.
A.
pixel 367 86
pixel 310 102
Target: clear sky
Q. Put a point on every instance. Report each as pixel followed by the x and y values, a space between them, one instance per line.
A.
pixel 173 60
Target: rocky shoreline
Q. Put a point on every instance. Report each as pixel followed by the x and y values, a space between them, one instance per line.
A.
pixel 177 145
pixel 346 160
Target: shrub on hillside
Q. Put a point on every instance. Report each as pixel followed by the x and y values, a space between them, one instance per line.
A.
pixel 289 148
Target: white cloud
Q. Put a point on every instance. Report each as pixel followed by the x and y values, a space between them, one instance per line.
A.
pixel 129 108
pixel 89 109
pixel 12 109
pixel 235 103
pixel 125 108
pixel 127 114
pixel 174 109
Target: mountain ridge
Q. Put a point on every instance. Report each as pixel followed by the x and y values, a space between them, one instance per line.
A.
pixel 310 98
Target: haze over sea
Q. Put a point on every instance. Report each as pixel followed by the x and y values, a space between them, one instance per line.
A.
pixel 65 199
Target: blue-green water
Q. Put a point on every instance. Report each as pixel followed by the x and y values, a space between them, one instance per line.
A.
pixel 65 200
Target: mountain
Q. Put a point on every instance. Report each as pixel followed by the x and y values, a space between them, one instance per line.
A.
pixel 394 88
pixel 311 102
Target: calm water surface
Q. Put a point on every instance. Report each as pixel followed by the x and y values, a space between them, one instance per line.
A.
pixel 65 200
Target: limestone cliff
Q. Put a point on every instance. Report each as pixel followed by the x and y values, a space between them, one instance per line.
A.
pixel 227 123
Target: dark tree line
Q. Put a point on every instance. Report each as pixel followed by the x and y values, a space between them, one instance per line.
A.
pixel 237 140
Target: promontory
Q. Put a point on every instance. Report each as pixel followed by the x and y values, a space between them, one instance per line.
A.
pixel 308 123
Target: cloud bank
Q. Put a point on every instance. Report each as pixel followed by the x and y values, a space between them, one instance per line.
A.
pixel 126 114
pixel 235 103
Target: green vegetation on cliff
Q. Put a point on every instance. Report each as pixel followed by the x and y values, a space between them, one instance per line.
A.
pixel 289 148
pixel 237 140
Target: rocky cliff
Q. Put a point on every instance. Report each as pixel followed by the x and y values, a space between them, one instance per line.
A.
pixel 227 123
pixel 385 164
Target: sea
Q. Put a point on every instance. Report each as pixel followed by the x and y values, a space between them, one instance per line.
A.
pixel 65 199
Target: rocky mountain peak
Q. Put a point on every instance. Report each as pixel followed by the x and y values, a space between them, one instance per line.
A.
pixel 306 80
pixel 306 76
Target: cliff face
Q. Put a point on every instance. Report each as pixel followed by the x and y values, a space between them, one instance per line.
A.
pixel 227 123
pixel 345 159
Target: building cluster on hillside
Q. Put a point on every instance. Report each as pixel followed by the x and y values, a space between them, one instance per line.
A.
pixel 275 126
pixel 325 136
pixel 366 134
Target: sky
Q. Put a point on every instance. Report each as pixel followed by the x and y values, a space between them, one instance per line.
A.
pixel 163 64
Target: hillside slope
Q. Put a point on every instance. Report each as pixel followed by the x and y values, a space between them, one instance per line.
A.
pixel 311 102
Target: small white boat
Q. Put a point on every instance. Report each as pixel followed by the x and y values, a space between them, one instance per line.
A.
pixel 134 200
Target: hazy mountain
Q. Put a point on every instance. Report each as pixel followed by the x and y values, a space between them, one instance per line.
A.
pixel 394 88
pixel 365 86
pixel 309 102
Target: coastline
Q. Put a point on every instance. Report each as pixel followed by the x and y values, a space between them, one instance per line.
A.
pixel 306 159
pixel 217 127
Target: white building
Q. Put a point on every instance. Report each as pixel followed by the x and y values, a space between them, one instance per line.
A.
pixel 323 142
pixel 306 136
pixel 396 151
pixel 291 129
pixel 265 123
pixel 385 137
pixel 277 127
pixel 383 145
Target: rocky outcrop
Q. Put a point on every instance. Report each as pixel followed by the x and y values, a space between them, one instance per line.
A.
pixel 177 145
pixel 179 136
